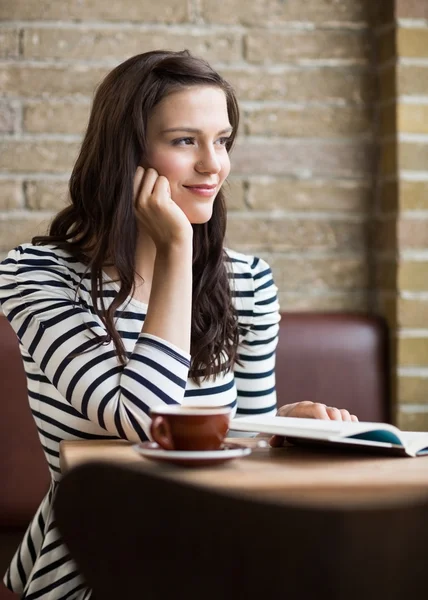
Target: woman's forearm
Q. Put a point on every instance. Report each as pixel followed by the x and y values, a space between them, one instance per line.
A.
pixel 170 306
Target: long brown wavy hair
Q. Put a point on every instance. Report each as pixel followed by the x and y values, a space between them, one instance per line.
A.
pixel 99 226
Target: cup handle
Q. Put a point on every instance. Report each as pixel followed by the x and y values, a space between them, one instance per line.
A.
pixel 161 433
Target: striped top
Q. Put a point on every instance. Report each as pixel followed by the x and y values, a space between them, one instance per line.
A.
pixel 79 391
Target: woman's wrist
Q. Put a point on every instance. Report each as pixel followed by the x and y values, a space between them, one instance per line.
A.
pixel 175 248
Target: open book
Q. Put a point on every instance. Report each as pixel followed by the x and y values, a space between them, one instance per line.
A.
pixel 381 438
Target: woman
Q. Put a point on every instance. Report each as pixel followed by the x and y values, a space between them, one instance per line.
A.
pixel 132 300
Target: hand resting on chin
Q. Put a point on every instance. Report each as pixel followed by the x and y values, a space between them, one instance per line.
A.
pixel 310 410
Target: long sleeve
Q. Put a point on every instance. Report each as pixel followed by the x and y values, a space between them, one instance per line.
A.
pixel 57 325
pixel 258 312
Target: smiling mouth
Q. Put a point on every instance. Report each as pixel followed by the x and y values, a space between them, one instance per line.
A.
pixel 201 187
pixel 202 190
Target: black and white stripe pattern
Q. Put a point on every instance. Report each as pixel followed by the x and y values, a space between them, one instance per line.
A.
pixel 78 390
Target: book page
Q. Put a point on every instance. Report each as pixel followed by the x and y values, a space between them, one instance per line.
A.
pixel 410 436
pixel 281 424
pixel 315 427
pixel 416 441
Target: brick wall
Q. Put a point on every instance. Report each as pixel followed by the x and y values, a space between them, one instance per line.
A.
pixel 402 204
pixel 301 191
pixel 330 174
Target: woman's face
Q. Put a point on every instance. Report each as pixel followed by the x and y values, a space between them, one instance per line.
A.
pixel 186 140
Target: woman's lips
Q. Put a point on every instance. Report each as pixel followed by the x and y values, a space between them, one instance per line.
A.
pixel 202 190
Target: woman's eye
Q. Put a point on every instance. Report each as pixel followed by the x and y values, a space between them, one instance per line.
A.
pixel 223 140
pixel 186 141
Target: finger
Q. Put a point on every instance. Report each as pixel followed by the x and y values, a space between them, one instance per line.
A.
pixel 334 413
pixel 161 188
pixel 319 411
pixel 286 409
pixel 276 441
pixel 149 181
pixel 345 414
pixel 138 178
pixel 354 418
pixel 304 410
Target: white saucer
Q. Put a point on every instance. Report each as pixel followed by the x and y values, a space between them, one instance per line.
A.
pixel 188 458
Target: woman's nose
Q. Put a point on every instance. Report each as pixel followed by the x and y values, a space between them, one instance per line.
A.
pixel 208 163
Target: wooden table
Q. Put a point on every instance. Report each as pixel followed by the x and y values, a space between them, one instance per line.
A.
pixel 290 474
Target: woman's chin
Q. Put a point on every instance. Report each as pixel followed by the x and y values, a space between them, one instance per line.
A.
pixel 199 217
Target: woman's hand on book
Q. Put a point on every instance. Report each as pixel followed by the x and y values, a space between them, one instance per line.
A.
pixel 310 410
pixel 315 410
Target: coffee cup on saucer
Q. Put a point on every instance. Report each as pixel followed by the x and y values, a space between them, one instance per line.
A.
pixel 175 427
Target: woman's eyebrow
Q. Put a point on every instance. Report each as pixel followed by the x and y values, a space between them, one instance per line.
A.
pixel 193 130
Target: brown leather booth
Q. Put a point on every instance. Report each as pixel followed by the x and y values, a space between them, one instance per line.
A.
pixel 24 476
pixel 338 359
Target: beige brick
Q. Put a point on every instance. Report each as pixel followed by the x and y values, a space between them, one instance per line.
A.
pixel 413 156
pixel 412 43
pixel 319 274
pixel 412 313
pixel 347 159
pixel 8 117
pixel 10 194
pixel 344 302
pixel 56 117
pixel 46 195
pixel 412 118
pixel 412 390
pixel 312 195
pixel 311 121
pixel 414 421
pixel 411 9
pixel 413 276
pixel 413 195
pixel 15 231
pixel 46 155
pixel 413 352
pixel 270 234
pixel 234 189
pixel 353 84
pixel 411 80
pixel 117 44
pixel 42 80
pixel 278 12
pixel 413 233
pixel 265 46
pixel 9 43
pixel 170 11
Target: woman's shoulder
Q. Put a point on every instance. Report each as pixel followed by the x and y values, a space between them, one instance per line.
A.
pixel 28 259
pixel 254 292
pixel 49 253
pixel 251 283
pixel 245 265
